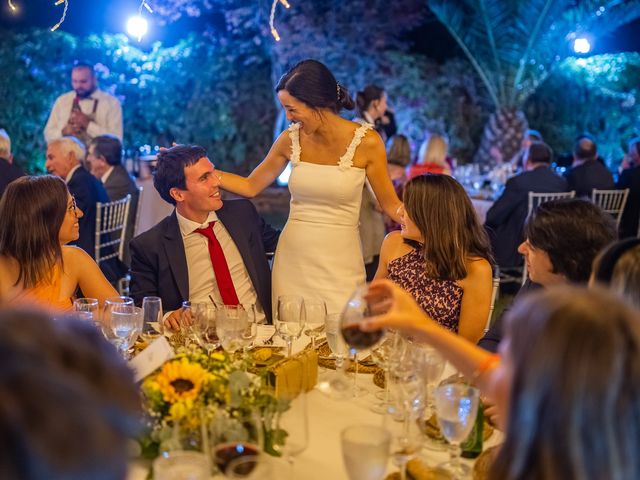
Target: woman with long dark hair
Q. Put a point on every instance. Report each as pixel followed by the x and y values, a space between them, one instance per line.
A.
pixel 441 255
pixel 565 384
pixel 319 252
pixel 38 217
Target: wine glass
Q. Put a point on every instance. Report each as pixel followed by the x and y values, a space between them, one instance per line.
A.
pixel 231 323
pixel 250 467
pixel 354 313
pixel 109 304
pixel 204 325
pixel 289 320
pixel 365 449
pixel 152 314
pixel 235 437
pixel 295 422
pixel 456 409
pixel 406 442
pixel 315 311
pixel 126 324
pixel 181 465
pixel 87 309
pixel 432 367
pixel 383 354
pixel 250 331
pixel 337 384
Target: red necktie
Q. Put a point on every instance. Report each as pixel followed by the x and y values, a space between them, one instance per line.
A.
pixel 220 267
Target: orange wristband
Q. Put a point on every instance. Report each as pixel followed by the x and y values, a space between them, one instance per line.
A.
pixel 488 363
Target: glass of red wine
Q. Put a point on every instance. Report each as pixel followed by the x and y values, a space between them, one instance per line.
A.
pixel 232 438
pixel 356 311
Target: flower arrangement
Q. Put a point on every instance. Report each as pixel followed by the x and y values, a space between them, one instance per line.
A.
pixel 192 390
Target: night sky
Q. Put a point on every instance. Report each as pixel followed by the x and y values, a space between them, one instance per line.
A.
pixel 95 16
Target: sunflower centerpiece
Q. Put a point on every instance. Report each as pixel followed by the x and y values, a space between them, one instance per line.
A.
pixel 186 397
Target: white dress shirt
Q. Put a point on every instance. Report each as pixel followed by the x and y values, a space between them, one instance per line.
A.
pixel 105 177
pixel 71 172
pixel 202 280
pixel 108 116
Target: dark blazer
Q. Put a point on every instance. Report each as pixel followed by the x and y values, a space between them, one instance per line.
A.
pixel 591 174
pixel 630 178
pixel 119 184
pixel 159 265
pixel 8 173
pixel 505 219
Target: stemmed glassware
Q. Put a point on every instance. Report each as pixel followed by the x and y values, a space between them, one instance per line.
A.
pixel 231 324
pixel 109 304
pixel 289 320
pixel 383 354
pixel 87 309
pixel 431 369
pixel 250 330
pixel 365 449
pixel 337 384
pixel 204 325
pixel 152 315
pixel 354 313
pixel 126 324
pixel 315 312
pixel 456 409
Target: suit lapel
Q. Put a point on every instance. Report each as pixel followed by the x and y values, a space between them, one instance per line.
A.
pixel 239 236
pixel 174 250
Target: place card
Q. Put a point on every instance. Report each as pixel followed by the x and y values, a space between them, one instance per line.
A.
pixel 152 357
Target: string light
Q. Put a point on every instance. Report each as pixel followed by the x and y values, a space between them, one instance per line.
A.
pixel 64 14
pixel 272 17
pixel 12 6
pixel 144 4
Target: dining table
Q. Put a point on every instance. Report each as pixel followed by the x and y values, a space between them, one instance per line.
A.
pixel 327 418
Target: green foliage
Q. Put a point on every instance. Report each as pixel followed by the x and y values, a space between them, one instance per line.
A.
pixel 598 94
pixel 198 91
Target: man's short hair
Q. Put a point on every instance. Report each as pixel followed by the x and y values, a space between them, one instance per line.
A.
pixel 170 168
pixel 585 148
pixel 79 64
pixel 109 147
pixel 5 144
pixel 571 232
pixel 534 135
pixel 539 152
pixel 71 144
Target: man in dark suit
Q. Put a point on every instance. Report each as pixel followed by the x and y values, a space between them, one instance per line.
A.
pixel 630 178
pixel 8 171
pixel 64 157
pixel 505 219
pixel 204 251
pixel 104 161
pixel 587 172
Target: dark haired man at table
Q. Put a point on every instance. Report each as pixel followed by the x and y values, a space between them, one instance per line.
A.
pixel 205 250
pixel 587 171
pixel 505 219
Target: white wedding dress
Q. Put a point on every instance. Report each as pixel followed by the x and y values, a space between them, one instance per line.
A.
pixel 319 252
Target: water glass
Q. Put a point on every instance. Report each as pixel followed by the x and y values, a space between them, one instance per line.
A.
pixel 289 320
pixel 456 409
pixel 337 384
pixel 126 324
pixel 87 309
pixel 204 325
pixel 315 312
pixel 109 304
pixel 181 465
pixel 231 324
pixel 365 450
pixel 152 315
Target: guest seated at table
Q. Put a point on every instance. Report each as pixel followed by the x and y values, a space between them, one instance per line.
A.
pixel 565 385
pixel 618 268
pixel 69 404
pixel 205 251
pixel 38 217
pixel 630 178
pixel 432 158
pixel 587 172
pixel 562 237
pixel 441 255
pixel 505 219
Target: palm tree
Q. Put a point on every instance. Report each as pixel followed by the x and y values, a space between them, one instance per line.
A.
pixel 515 44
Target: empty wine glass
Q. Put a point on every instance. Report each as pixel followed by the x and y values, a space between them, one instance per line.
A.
pixel 406 442
pixel 87 309
pixel 152 315
pixel 382 354
pixel 336 384
pixel 354 313
pixel 432 366
pixel 204 325
pixel 181 465
pixel 456 409
pixel 231 324
pixel 365 450
pixel 250 331
pixel 315 311
pixel 289 320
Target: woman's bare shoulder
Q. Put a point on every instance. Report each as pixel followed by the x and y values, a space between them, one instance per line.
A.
pixel 75 255
pixel 478 266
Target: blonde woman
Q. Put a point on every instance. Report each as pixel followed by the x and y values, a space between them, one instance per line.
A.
pixel 432 158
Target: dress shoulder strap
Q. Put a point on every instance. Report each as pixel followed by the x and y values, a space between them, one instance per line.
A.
pixel 346 160
pixel 294 135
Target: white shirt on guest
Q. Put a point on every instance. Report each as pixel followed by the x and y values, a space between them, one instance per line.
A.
pixel 108 116
pixel 71 172
pixel 105 177
pixel 202 280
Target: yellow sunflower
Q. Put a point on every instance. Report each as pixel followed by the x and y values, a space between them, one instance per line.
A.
pixel 181 380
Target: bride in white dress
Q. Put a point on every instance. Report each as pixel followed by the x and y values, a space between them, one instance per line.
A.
pixel 319 253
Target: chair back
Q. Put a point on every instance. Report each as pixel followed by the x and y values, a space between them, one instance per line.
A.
pixel 495 288
pixel 611 201
pixel 111 223
pixel 136 220
pixel 536 198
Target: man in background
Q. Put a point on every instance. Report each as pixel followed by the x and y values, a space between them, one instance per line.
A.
pixel 8 171
pixel 85 112
pixel 630 178
pixel 586 172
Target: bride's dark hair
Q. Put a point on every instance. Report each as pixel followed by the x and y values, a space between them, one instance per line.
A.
pixel 311 82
